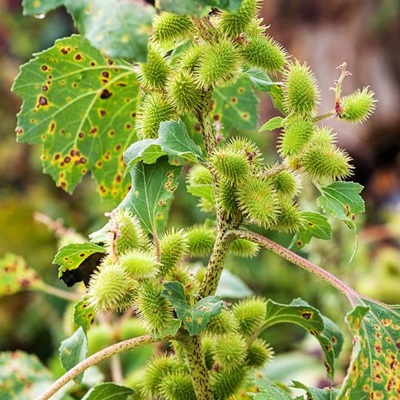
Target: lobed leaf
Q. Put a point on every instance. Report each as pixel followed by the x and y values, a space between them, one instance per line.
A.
pixel 152 192
pixel 173 140
pixel 73 350
pixel 81 107
pixel 17 276
pixel 342 200
pixel 108 390
pixel 374 372
pixel 194 317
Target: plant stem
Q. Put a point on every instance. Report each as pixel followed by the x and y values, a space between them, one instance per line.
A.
pixel 301 262
pixel 197 366
pixel 323 116
pixel 62 294
pixel 94 359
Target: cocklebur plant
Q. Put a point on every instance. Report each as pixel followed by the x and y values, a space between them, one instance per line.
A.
pixel 170 93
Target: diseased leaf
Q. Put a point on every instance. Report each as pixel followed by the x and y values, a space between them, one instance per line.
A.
pixel 83 315
pixel 194 317
pixel 81 106
pixel 268 390
pixel 317 394
pixel 35 7
pixel 236 106
pixel 315 225
pixel 300 313
pixel 273 123
pixel 374 372
pixel 73 350
pixel 173 140
pixel 232 287
pixel 78 262
pixel 342 200
pixel 17 276
pixel 263 83
pixel 152 192
pixel 108 390
pixel 117 28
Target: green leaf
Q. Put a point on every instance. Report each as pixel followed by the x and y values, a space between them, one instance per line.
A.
pixel 78 262
pixel 108 390
pixel 73 350
pixel 152 192
pixel 374 372
pixel 173 140
pixel 317 394
pixel 117 28
pixel 236 106
pixel 273 123
pixel 194 317
pixel 268 390
pixel 300 313
pixel 263 83
pixel 192 7
pixel 23 376
pixel 83 315
pixel 39 8
pixel 315 225
pixel 17 276
pixel 232 287
pixel 342 200
pixel 81 106
pixel 205 191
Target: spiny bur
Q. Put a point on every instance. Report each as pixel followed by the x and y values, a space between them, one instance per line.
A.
pixel 258 201
pixel 259 353
pixel 250 314
pixel 244 248
pixel 301 93
pixel 230 350
pixel 153 73
pixel 190 57
pixel 169 27
pixel 177 386
pixel 235 23
pixel 153 110
pixel 264 53
pixel 199 175
pixel 111 288
pixel 174 247
pixel 201 240
pixel 295 136
pixel 219 65
pixel 290 218
pixel 286 183
pixel 139 264
pixel 222 323
pixel 358 106
pixel 233 166
pixel 226 198
pixel 227 382
pixel 248 148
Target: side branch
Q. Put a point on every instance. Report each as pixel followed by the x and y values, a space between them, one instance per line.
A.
pixel 95 359
pixel 301 262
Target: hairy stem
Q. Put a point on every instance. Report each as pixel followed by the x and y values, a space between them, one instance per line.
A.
pixel 197 366
pixel 62 294
pixel 95 359
pixel 301 262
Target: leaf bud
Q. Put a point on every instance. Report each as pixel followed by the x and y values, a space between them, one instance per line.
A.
pixel 264 53
pixel 173 247
pixel 232 165
pixel 259 353
pixel 177 386
pixel 301 93
pixel 219 65
pixel 250 314
pixel 153 110
pixel 230 350
pixel 154 72
pixel 358 106
pixel 258 201
pixel 201 240
pixel 111 288
pixel 139 264
pixel 244 248
pixel 169 27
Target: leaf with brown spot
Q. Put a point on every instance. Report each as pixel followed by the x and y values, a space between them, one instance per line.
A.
pixel 73 118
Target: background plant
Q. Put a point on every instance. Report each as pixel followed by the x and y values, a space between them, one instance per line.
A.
pixel 214 71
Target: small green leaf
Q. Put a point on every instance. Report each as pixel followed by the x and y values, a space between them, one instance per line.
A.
pixel 118 29
pixel 342 200
pixel 205 191
pixel 268 390
pixel 108 390
pixel 194 317
pixel 191 7
pixel 263 83
pixel 374 372
pixel 315 225
pixel 173 140
pixel 83 315
pixel 17 276
pixel 73 350
pixel 235 107
pixel 81 107
pixel 152 192
pixel 273 123
pixel 38 8
pixel 232 287
pixel 78 262
pixel 317 394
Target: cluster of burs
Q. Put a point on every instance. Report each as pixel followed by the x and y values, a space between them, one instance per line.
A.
pixel 187 58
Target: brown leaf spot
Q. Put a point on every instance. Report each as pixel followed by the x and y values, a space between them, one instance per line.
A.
pixel 105 94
